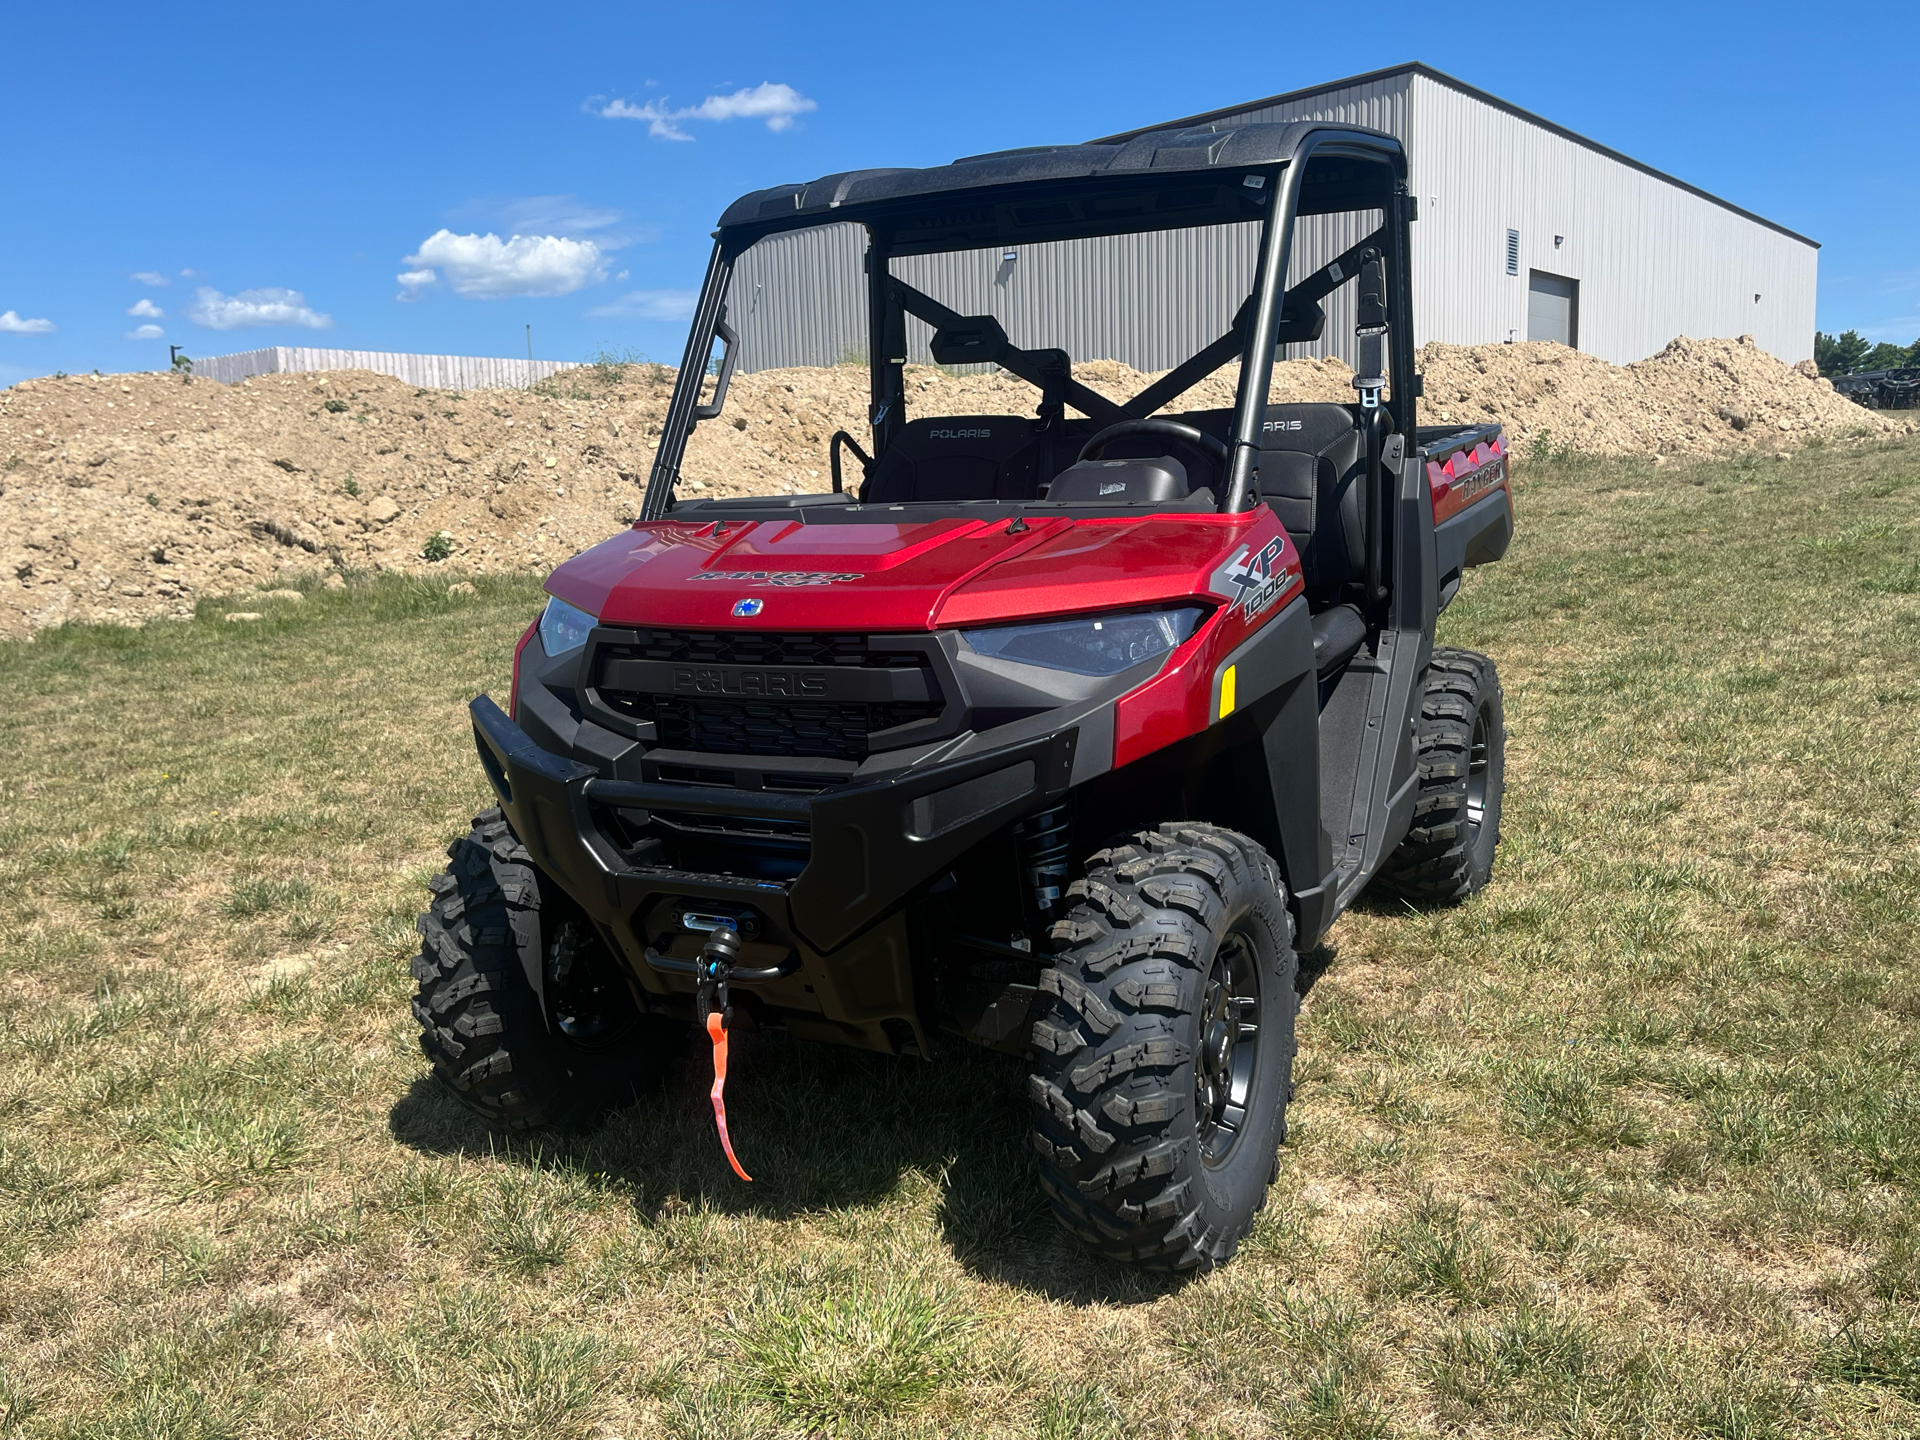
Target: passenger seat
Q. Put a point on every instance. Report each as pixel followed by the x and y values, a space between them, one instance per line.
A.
pixel 1312 458
pixel 958 457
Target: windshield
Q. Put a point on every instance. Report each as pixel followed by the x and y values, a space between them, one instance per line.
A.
pixel 997 364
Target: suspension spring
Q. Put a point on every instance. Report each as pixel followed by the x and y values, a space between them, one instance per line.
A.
pixel 1043 844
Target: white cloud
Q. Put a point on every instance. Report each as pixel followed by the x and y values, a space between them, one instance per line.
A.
pixel 145 332
pixel 149 277
pixel 413 281
pixel 774 103
pixel 487 267
pixel 650 305
pixel 190 274
pixel 12 324
pixel 271 306
pixel 145 309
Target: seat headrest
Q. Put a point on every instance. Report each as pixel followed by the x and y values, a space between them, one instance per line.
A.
pixel 1311 427
pixel 996 436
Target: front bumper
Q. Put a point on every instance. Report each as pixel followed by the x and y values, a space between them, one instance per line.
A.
pixel 835 931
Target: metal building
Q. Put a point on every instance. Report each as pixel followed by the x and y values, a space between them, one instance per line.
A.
pixel 1527 231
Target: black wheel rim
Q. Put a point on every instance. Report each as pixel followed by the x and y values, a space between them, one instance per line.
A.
pixel 586 997
pixel 1229 1048
pixel 1477 778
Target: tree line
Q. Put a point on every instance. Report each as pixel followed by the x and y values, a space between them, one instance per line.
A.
pixel 1850 353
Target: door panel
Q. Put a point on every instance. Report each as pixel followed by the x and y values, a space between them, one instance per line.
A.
pixel 1553 308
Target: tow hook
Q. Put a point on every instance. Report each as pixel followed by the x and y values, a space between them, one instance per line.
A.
pixel 716 1014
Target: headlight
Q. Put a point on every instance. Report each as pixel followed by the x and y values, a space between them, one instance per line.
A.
pixel 1098 645
pixel 564 628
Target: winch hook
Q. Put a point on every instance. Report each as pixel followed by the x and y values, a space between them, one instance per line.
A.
pixel 717 959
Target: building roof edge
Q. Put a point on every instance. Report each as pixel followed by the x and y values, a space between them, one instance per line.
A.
pixel 1440 77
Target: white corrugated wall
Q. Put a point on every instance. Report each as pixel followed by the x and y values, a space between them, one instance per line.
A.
pixel 800 298
pixel 1653 260
pixel 433 372
pixel 1150 300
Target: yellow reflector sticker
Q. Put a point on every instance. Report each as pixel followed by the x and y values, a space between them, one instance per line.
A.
pixel 1226 692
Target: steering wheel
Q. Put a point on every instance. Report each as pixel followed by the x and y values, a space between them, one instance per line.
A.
pixel 1171 429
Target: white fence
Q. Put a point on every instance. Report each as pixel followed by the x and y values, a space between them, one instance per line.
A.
pixel 434 372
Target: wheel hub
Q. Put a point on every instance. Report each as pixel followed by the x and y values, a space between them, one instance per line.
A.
pixel 1477 777
pixel 1220 1050
pixel 1229 1043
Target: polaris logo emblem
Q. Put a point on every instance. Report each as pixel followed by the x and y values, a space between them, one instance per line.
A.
pixel 687 680
pixel 960 434
pixel 1283 425
pixel 1116 488
pixel 747 609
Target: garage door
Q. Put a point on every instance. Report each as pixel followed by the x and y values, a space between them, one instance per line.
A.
pixel 1553 308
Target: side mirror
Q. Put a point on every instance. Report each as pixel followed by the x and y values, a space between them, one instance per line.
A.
pixel 1299 324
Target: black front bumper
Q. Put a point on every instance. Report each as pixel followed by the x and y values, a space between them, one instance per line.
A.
pixel 873 845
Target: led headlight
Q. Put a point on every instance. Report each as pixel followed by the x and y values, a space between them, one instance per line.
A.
pixel 563 627
pixel 1093 645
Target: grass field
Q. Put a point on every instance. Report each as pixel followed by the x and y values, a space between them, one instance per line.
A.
pixel 1629 1145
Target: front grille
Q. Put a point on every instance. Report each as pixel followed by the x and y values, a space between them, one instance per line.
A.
pixel 725 725
pixel 750 727
pixel 719 647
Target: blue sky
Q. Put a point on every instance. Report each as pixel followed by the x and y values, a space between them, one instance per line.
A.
pixel 226 177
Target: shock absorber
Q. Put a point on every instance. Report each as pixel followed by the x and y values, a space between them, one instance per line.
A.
pixel 1042 843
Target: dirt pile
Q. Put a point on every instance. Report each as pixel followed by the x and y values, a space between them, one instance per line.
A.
pixel 127 497
pixel 1696 397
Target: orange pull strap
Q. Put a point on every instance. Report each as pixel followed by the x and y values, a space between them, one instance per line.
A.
pixel 717 1031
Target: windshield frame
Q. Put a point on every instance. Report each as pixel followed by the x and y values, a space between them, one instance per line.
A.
pixel 960 220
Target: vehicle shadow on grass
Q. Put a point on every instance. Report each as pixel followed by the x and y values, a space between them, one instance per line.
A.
pixel 822 1129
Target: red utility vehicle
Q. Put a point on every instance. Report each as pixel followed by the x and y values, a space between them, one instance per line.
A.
pixel 1062 733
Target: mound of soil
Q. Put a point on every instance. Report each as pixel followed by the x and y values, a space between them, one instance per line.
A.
pixel 127 497
pixel 1696 397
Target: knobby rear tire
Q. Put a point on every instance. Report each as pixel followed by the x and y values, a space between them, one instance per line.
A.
pixel 482 1026
pixel 1118 1052
pixel 1460 747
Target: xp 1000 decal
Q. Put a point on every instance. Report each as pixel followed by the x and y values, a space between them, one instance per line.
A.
pixel 1255 577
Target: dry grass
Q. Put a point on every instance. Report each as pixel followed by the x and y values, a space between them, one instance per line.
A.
pixel 1630 1145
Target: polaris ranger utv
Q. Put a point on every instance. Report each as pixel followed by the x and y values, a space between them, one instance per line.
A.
pixel 1063 733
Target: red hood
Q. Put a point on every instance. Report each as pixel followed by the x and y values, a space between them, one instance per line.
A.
pixel 913 575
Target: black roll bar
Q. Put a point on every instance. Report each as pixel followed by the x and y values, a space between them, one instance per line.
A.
pixel 1256 361
pixel 886 348
pixel 1270 294
pixel 684 409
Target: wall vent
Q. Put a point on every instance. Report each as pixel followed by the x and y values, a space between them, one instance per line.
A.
pixel 1513 252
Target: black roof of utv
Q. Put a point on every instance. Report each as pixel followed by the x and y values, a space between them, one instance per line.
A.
pixel 1160 167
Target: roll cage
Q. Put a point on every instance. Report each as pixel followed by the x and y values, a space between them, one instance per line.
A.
pixel 1158 181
